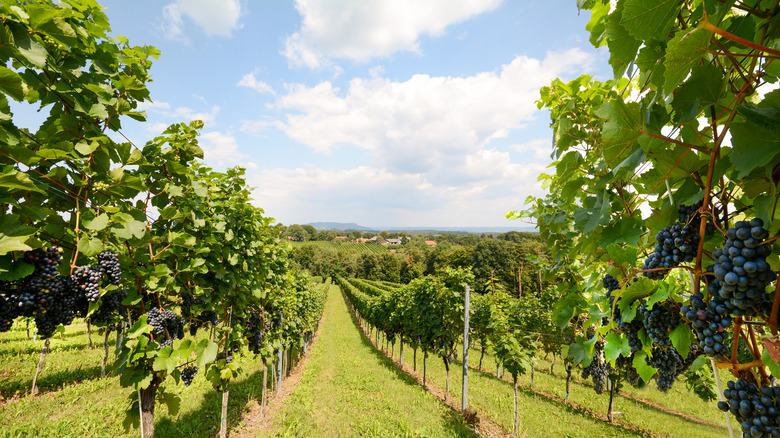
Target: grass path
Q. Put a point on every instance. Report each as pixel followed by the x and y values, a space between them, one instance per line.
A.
pixel 348 388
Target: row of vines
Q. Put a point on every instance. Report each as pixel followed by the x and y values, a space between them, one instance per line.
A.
pixel 145 240
pixel 428 314
pixel 662 204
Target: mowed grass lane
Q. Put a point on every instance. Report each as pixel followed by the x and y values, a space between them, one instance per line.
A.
pixel 350 389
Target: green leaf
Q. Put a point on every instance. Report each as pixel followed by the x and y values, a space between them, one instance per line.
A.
pixel 163 361
pixel 682 337
pixel 50 21
pixel 14 236
pixel 682 54
pixel 756 142
pixel 86 147
pixel 97 223
pixel 140 327
pixel 649 19
pixel 621 130
pixel 622 46
pixel 20 181
pixel 773 366
pixel 206 352
pixel 616 346
pixel 90 246
pixel 28 47
pixel 645 371
pixel 11 84
pixel 16 271
pixel 702 89
pixel 636 290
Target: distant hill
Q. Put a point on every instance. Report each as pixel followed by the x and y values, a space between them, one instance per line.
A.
pixel 342 226
pixel 339 226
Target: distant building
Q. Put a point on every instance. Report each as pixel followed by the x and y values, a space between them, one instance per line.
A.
pixel 340 238
pixel 362 240
pixel 392 241
pixel 430 243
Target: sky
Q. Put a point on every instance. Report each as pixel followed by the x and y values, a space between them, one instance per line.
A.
pixel 380 112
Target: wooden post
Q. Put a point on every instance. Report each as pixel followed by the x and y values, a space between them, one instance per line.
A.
pixel 568 380
pixel 264 397
pixel 280 370
pixel 105 354
pixel 425 356
pixel 223 421
pixel 465 389
pixel 401 353
pixel 720 392
pixel 514 386
pixel 45 350
pixel 89 333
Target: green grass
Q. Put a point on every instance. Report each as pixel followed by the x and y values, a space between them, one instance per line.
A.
pixel 484 388
pixel 350 389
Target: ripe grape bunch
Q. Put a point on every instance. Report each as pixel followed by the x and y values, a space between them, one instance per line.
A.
pixel 675 244
pixel 669 364
pixel 709 321
pixel 188 374
pixel 598 369
pixel 38 289
pixel 660 321
pixel 108 305
pixel 630 329
pixel 87 281
pixel 165 320
pixel 108 264
pixel 756 409
pixel 254 330
pixel 742 269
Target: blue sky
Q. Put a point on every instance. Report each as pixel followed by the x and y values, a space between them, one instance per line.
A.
pixel 380 112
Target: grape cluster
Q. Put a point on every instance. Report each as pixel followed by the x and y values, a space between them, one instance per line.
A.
pixel 742 269
pixel 689 213
pixel 757 409
pixel 597 369
pixel 108 305
pixel 674 245
pixel 188 374
pixel 630 329
pixel 610 284
pixel 254 330
pixel 87 281
pixel 108 265
pixel 669 364
pixel 8 311
pixel 38 290
pixel 165 320
pixel 187 301
pixel 660 321
pixel 709 321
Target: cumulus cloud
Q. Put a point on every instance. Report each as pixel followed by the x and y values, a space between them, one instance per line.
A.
pixel 213 17
pixel 362 30
pixel 179 114
pixel 221 150
pixel 425 124
pixel 364 193
pixel 250 81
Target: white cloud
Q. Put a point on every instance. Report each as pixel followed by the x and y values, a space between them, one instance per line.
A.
pixel 214 17
pixel 540 148
pixel 364 193
pixel 250 81
pixel 222 150
pixel 362 30
pixel 425 124
pixel 172 24
pixel 179 114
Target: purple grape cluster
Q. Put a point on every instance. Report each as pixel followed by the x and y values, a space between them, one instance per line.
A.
pixel 742 269
pixel 756 409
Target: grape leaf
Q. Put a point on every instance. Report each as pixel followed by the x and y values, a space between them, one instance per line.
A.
pixel 682 53
pixel 756 142
pixel 621 130
pixel 622 46
pixel 682 337
pixel 616 345
pixel 645 371
pixel 649 19
pixel 206 352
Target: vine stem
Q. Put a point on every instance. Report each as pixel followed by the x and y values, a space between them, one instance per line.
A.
pixel 775 306
pixel 739 40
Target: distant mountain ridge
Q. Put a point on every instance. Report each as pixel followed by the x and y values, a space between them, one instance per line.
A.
pixel 351 226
